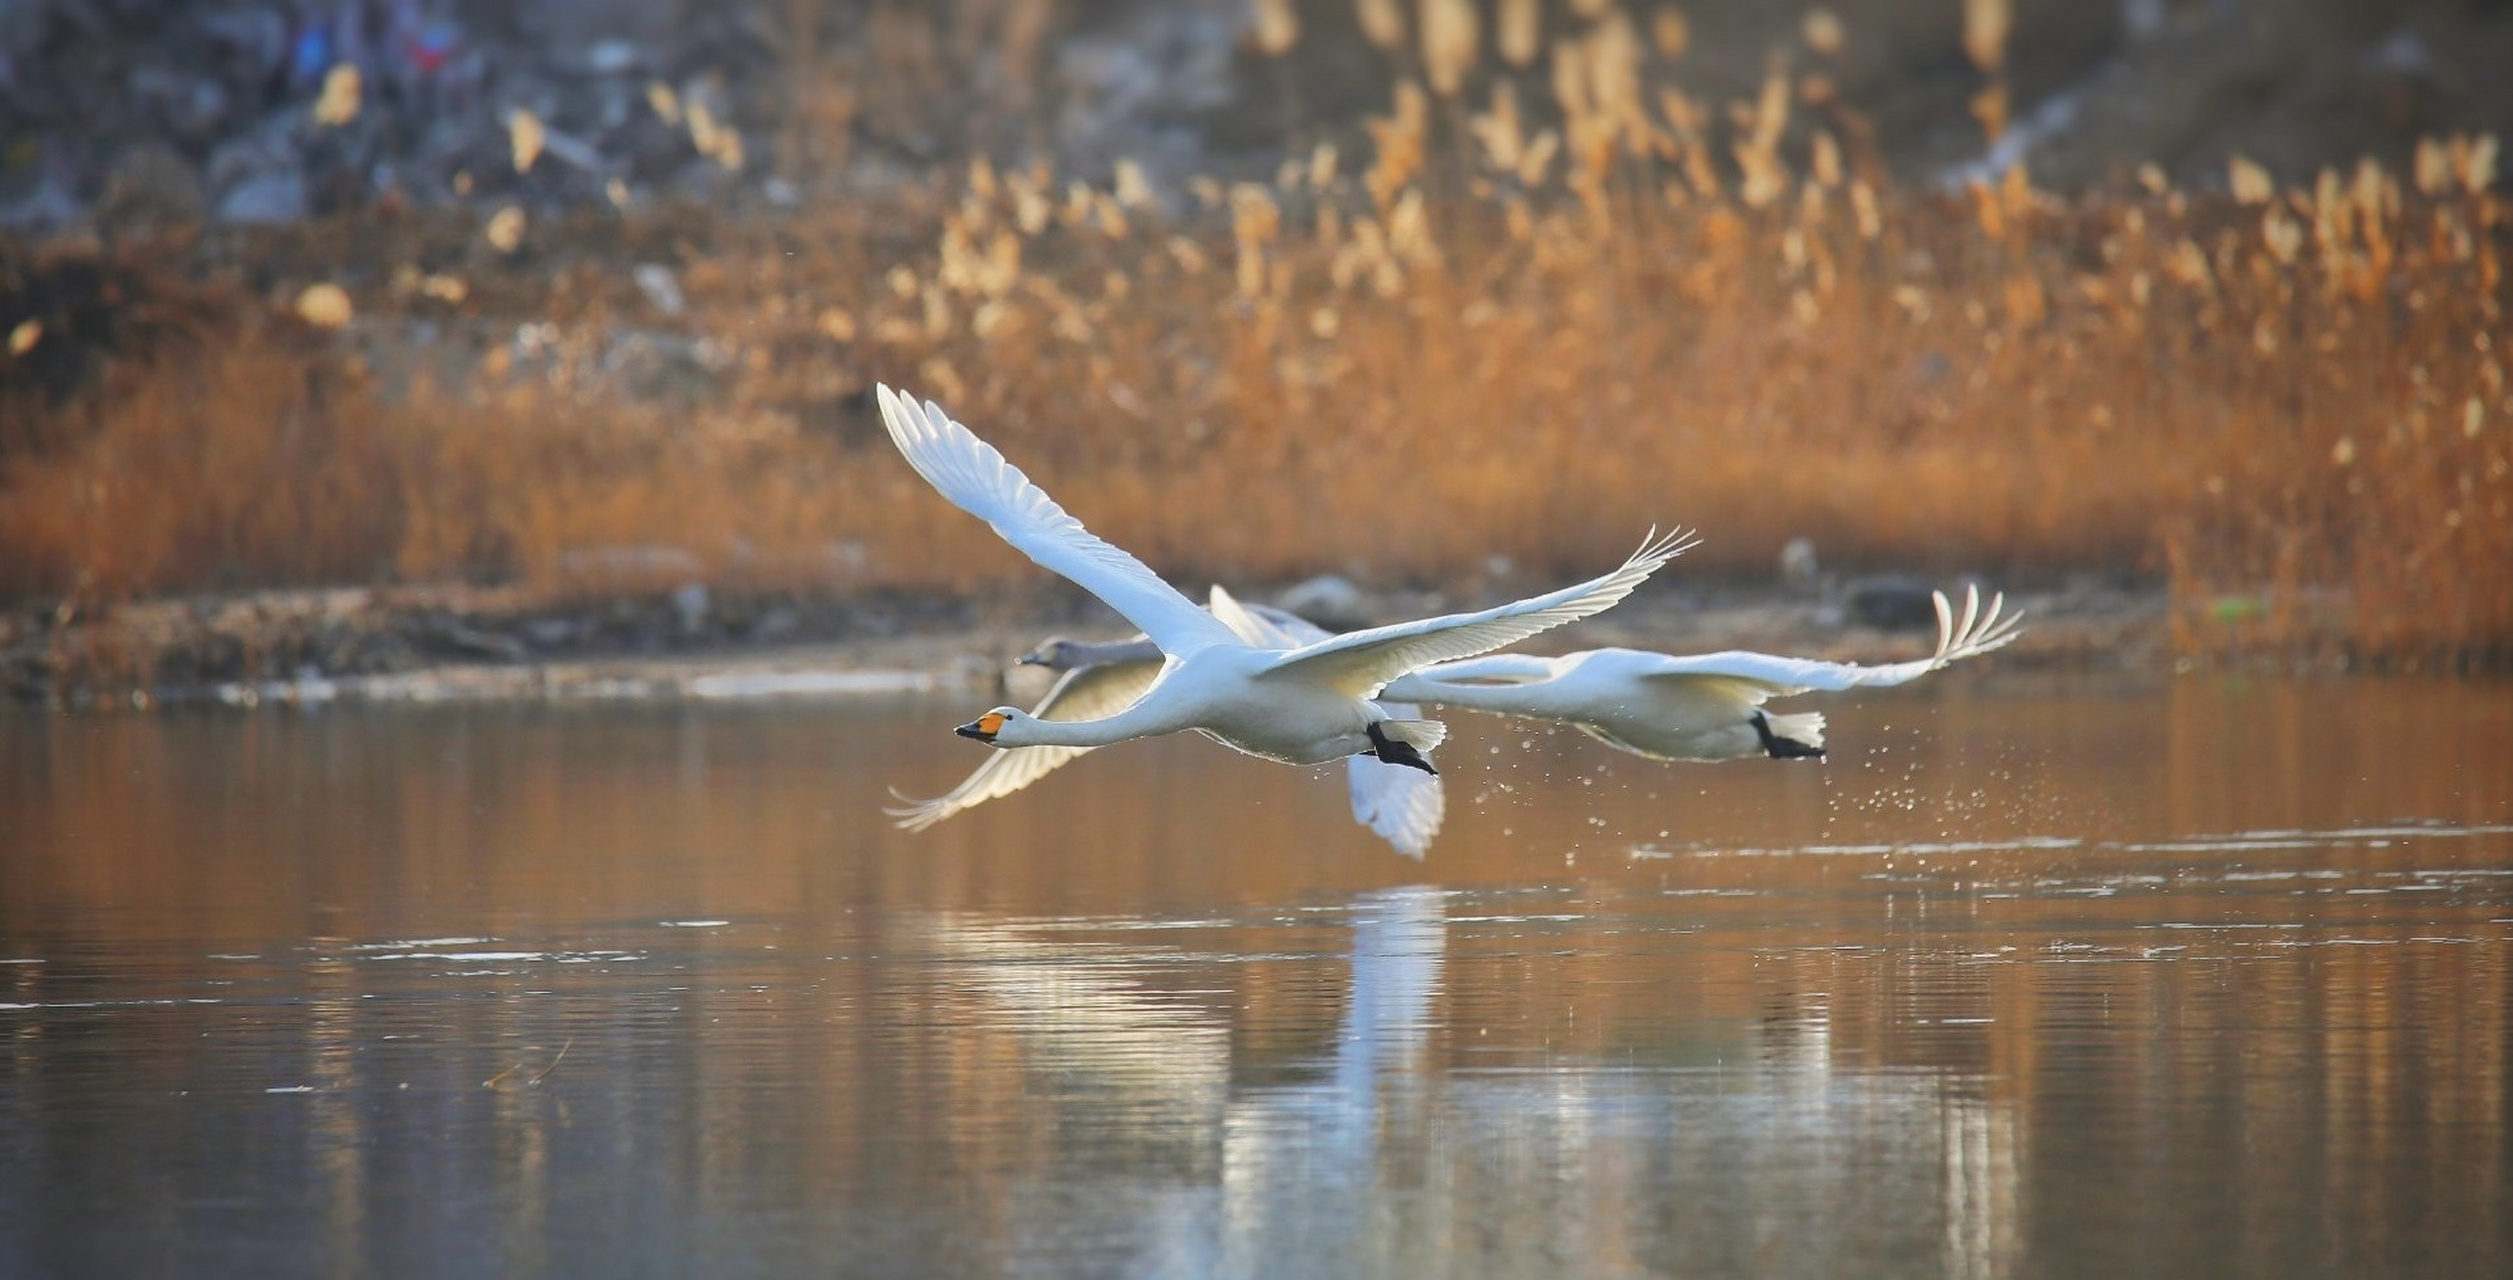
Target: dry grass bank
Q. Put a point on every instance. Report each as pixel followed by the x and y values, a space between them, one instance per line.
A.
pixel 1495 340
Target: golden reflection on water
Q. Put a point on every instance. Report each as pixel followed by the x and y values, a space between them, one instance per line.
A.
pixel 2030 978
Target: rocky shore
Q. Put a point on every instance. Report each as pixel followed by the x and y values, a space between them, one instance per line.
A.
pixel 298 648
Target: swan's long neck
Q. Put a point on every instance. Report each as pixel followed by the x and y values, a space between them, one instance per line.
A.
pixel 1505 699
pixel 1141 720
pixel 1087 654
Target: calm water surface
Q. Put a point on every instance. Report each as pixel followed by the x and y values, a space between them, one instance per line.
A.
pixel 2033 978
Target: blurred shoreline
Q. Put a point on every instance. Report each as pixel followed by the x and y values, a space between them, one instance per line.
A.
pixel 309 648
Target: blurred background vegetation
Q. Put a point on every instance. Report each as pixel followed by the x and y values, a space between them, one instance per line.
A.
pixel 585 300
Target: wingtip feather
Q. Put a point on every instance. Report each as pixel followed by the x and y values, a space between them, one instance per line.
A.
pixel 1980 629
pixel 916 815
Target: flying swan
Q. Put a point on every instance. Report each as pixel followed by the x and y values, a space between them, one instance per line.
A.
pixel 1706 707
pixel 1299 705
pixel 1403 806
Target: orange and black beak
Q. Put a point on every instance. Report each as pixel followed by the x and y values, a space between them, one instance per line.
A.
pixel 984 728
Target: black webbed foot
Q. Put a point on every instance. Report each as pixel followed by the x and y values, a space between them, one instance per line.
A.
pixel 1391 751
pixel 1781 748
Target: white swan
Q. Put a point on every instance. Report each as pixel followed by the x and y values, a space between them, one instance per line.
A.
pixel 1304 705
pixel 1707 707
pixel 1403 806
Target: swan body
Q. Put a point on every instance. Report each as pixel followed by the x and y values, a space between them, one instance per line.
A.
pixel 1299 705
pixel 1706 707
pixel 1403 806
pixel 1232 694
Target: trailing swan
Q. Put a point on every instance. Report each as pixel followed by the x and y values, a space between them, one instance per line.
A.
pixel 1404 806
pixel 1303 705
pixel 1706 707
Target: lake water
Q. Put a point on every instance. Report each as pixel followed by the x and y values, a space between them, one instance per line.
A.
pixel 2035 977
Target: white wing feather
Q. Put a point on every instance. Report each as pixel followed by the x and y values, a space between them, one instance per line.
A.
pixel 1261 627
pixel 1978 632
pixel 1363 662
pixel 1405 806
pixel 1086 693
pixel 978 480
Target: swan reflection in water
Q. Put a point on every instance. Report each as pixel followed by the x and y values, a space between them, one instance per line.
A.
pixel 1386 1154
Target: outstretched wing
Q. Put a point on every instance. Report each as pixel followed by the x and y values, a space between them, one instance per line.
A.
pixel 1404 805
pixel 1977 632
pixel 978 480
pixel 1361 663
pixel 1263 626
pixel 1085 693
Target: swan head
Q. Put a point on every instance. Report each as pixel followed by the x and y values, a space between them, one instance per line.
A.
pixel 1057 654
pixel 985 727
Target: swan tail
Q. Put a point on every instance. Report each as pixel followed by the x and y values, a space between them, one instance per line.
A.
pixel 1421 735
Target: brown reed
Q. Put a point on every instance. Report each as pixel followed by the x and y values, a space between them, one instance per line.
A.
pixel 2289 405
